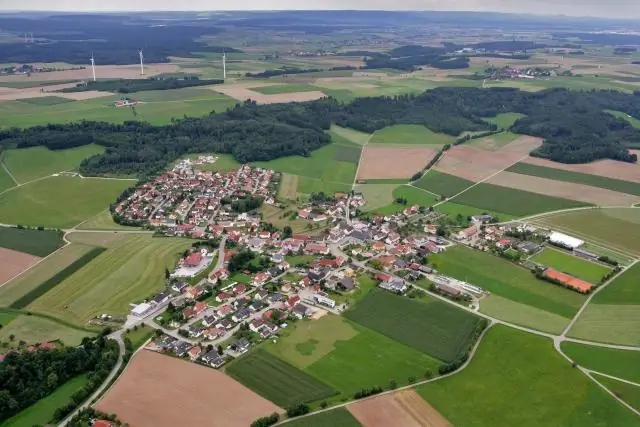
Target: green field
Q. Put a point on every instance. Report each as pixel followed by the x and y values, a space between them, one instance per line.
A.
pixel 512 201
pixel 503 278
pixel 609 323
pixel 630 394
pixel 6 181
pixel 376 195
pixel 616 228
pixel 339 417
pixel 442 183
pixel 504 120
pixel 34 242
pixel 288 88
pixel 27 164
pixel 103 221
pixel 140 335
pixel 577 177
pixel 625 289
pixel 455 209
pixel 577 267
pixel 288 187
pixel 623 364
pixel 60 201
pixel 632 120
pixel 34 329
pixel 42 411
pixel 522 314
pixel 276 380
pixel 352 135
pixel 225 162
pixel 413 196
pixel 131 269
pixel 517 379
pixel 436 328
pixel 46 100
pixel 410 135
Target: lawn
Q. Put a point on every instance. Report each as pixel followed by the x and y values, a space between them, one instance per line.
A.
pixel 609 323
pixel 286 88
pixel 442 183
pixel 59 202
pixel 34 329
pixel 294 260
pixel 436 328
pixel 240 278
pixel 578 267
pixel 277 380
pixel 140 335
pixel 376 195
pixel 27 164
pixel 41 412
pixel 517 379
pixel 630 394
pixel 339 417
pixel 503 278
pixel 34 242
pixel 623 364
pixel 130 270
pixel 522 314
pixel 46 100
pixel 352 135
pixel 504 120
pixel 577 177
pixel 625 289
pixel 410 135
pixel 617 228
pixel 512 201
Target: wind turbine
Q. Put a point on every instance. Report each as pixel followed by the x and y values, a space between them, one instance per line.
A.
pixel 93 67
pixel 141 62
pixel 224 65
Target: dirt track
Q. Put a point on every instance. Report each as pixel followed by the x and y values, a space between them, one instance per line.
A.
pixel 608 168
pixel 161 391
pixel 405 408
pixel 13 263
pixel 567 190
pixel 389 162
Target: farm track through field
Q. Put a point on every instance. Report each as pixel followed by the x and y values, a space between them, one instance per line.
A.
pixel 355 177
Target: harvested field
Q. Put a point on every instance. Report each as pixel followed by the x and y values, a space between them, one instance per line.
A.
pixel 81 96
pixel 102 72
pixel 242 92
pixel 13 263
pixel 566 190
pixel 476 164
pixel 157 391
pixel 384 162
pixel 609 168
pixel 405 408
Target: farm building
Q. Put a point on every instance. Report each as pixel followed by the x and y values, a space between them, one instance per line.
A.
pixel 564 240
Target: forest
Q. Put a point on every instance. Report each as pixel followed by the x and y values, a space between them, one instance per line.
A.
pixel 138 85
pixel 28 376
pixel 574 126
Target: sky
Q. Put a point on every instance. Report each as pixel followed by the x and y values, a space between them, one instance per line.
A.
pixel 594 8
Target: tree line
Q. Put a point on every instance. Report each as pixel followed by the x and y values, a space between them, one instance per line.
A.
pixel 138 85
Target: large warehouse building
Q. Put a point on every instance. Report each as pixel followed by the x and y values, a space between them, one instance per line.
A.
pixel 564 240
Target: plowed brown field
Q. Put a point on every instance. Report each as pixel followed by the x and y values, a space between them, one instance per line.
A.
pixel 608 168
pixel 405 408
pixel 392 162
pixel 102 72
pixel 13 263
pixel 161 391
pixel 476 164
pixel 567 190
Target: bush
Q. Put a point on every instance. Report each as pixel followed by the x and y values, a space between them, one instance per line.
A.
pixel 266 421
pixel 297 410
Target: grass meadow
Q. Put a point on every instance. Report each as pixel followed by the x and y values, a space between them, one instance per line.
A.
pixel 609 323
pixel 410 135
pixel 623 364
pixel 352 135
pixel 288 186
pixel 27 164
pixel 339 417
pixel 505 279
pixel 286 88
pixel 455 209
pixel 412 195
pixel 35 242
pixel 46 100
pixel 60 202
pixel 442 183
pixel 376 195
pixel 512 201
pixel 35 329
pixel 131 269
pixel 504 120
pixel 629 393
pixel 277 380
pixel 517 378
pixel 523 314
pixel 103 221
pixel 436 328
pixel 6 181
pixel 578 267
pixel 625 289
pixel 577 177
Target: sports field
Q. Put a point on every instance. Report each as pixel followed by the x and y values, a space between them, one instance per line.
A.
pixel 623 364
pixel 577 177
pixel 436 328
pixel 42 411
pixel 27 164
pixel 617 228
pixel 504 120
pixel 130 270
pixel 578 267
pixel 34 242
pixel 517 379
pixel 336 418
pixel 410 135
pixel 522 314
pixel 624 289
pixel 34 329
pixel 609 323
pixel 503 278
pixel 512 201
pixel 276 380
pixel 442 183
pixel 60 201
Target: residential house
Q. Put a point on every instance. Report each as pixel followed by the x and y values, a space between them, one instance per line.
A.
pixel 261 295
pixel 395 285
pixel 199 307
pixel 240 346
pixel 346 284
pixel 222 297
pixel 241 315
pixel 179 286
pixel 256 324
pixel 209 320
pixel 260 279
pixel 180 348
pixel 225 324
pixel 301 311
pixel 194 352
pixel 239 289
pixel 212 333
pixel 503 244
pixel 213 359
